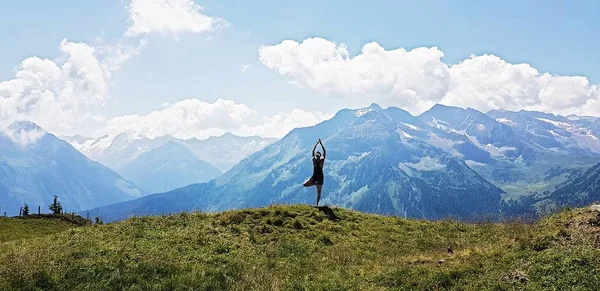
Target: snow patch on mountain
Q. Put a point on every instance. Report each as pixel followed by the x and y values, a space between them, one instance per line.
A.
pixel 93 148
pixel 490 148
pixel 403 133
pixel 506 121
pixel 427 164
pixel 361 112
pixel 559 124
pixel 357 158
pixel 554 133
pixel 411 126
pixel 439 124
pixel 472 163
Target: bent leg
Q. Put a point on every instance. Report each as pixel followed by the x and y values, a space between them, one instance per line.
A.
pixel 308 183
pixel 319 187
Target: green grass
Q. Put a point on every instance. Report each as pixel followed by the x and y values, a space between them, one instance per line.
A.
pixel 18 229
pixel 304 248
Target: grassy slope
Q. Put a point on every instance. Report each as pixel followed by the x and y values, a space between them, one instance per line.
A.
pixel 18 229
pixel 304 248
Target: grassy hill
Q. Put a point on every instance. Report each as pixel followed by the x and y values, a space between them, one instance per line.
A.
pixel 19 228
pixel 301 248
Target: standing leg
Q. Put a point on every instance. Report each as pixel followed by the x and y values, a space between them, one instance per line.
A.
pixel 319 187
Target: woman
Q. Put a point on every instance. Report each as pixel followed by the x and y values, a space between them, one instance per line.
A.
pixel 317 177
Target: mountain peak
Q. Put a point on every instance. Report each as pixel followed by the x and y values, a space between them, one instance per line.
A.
pixel 438 109
pixel 25 125
pixel 442 106
pixel 362 111
pixel 228 134
pixel 374 106
pixel 224 136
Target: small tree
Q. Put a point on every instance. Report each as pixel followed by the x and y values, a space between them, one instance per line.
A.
pixel 99 220
pixel 25 210
pixel 55 207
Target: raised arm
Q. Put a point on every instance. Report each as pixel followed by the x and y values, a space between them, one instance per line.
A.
pixel 314 148
pixel 323 147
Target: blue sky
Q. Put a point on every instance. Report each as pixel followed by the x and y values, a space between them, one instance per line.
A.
pixel 559 37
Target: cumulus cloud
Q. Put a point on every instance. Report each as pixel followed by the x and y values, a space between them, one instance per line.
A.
pixel 55 95
pixel 196 118
pixel 418 78
pixel 487 82
pixel 282 123
pixel 170 17
pixel 59 94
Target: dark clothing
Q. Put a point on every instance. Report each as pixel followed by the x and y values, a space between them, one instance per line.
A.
pixel 317 176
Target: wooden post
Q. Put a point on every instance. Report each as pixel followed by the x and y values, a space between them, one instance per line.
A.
pixel 20 211
pixel 39 211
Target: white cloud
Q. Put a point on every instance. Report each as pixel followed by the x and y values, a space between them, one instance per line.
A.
pixel 23 136
pixel 418 78
pixel 116 55
pixel 487 82
pixel 245 68
pixel 170 17
pixel 280 124
pixel 55 95
pixel 195 118
pixel 60 94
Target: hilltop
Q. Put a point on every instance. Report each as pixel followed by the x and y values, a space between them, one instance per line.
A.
pixel 305 248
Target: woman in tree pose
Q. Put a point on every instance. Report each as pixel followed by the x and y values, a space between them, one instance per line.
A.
pixel 317 177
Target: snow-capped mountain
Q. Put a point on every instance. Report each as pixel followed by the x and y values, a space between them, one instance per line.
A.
pixel 446 162
pixel 475 134
pixel 166 163
pixel 117 151
pixel 227 150
pixel 551 131
pixel 36 165
pixel 377 161
pixel 525 153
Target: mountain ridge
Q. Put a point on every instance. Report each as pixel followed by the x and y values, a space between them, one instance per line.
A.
pixel 388 161
pixel 169 166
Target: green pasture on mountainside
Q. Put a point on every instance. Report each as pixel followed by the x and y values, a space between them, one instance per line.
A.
pixel 300 248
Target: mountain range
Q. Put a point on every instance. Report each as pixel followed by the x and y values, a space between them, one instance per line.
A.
pixel 165 163
pixel 36 165
pixel 446 162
